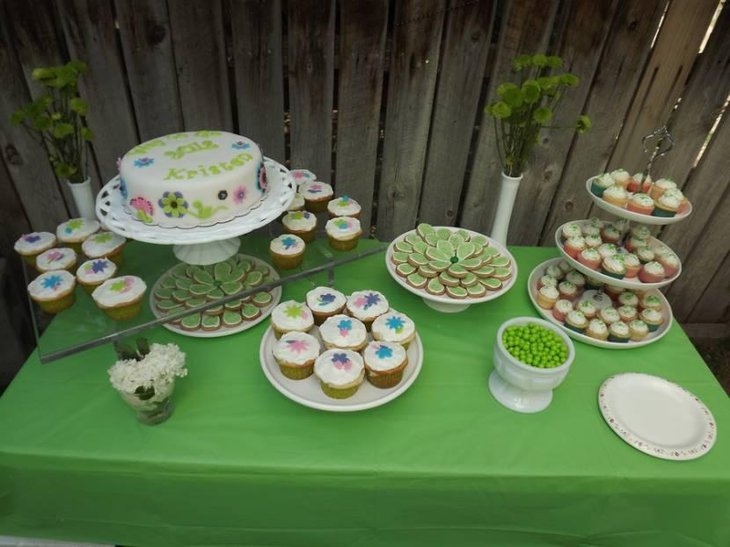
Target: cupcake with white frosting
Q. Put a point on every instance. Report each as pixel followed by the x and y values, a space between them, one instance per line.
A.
pixel 300 223
pixel 394 326
pixel 120 297
pixel 63 258
pixel 621 177
pixel 616 195
pixel 53 291
pixel 367 306
pixel 73 232
pixel 385 363
pixel 343 233
pixel 296 352
pixel 93 273
pixel 343 332
pixel 105 245
pixel 287 251
pixel 344 206
pixel 325 302
pixel 291 316
pixel 301 176
pixel 316 195
pixel 29 246
pixel 297 203
pixel 666 205
pixel 340 372
pixel 597 329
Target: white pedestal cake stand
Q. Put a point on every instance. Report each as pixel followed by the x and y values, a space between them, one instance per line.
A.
pixel 203 244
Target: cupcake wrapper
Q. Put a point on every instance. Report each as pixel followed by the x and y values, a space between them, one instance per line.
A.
pixel 316 206
pixel 335 393
pixel 614 275
pixel 297 373
pixel 385 381
pixel 612 338
pixel 56 306
pixel 597 190
pixel 652 328
pixel 286 262
pixel 659 212
pixel 575 329
pixel 343 245
pixel 123 313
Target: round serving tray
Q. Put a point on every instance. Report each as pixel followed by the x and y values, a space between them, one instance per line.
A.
pixel 308 391
pixel 548 316
pixel 222 331
pixel 630 215
pixel 446 304
pixel 626 283
pixel 109 209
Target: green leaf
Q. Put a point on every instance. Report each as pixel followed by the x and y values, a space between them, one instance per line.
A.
pixel 18 116
pixel 143 346
pixel 62 130
pixel 78 105
pixel 570 80
pixel 553 61
pixel 505 88
pixel 539 60
pixel 64 170
pixel 124 351
pixel 583 124
pixel 78 67
pixel 500 110
pixel 43 73
pixel 521 61
pixel 41 123
pixel 531 91
pixel 542 115
pixel 86 134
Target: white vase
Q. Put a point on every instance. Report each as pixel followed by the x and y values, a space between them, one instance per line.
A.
pixel 507 194
pixel 84 198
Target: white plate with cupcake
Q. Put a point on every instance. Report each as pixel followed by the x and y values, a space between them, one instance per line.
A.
pixel 450 268
pixel 319 357
pixel 597 314
pixel 622 195
pixel 617 255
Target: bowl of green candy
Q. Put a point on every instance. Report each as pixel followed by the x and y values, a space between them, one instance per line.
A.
pixel 531 358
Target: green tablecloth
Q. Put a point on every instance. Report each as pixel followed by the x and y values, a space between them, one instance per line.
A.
pixel 444 464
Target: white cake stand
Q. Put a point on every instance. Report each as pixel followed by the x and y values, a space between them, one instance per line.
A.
pixel 203 244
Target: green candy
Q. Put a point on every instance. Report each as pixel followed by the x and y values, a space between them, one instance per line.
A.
pixel 535 345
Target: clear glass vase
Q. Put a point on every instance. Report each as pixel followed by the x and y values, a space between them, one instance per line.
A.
pixel 151 408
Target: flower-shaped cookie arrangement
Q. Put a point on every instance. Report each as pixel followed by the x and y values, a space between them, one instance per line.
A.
pixel 192 286
pixel 450 262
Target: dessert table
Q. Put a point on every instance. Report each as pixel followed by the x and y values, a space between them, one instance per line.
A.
pixel 443 464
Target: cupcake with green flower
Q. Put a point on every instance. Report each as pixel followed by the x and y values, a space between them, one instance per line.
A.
pixel 344 206
pixel 105 245
pixel 343 233
pixel 72 233
pixel 120 297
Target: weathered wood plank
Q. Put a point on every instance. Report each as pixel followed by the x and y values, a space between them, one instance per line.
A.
pixel 259 76
pixel 526 27
pixel 610 95
pixel 580 45
pixel 679 39
pixel 464 57
pixel 702 101
pixel 144 29
pixel 714 304
pixel 706 185
pixel 14 224
pixel 200 58
pixel 311 25
pixel 92 37
pixel 363 27
pixel 25 159
pixel 411 86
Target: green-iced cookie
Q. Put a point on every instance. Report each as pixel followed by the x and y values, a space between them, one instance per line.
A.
pixel 480 240
pixel 403 247
pixel 215 310
pixel 423 229
pixel 499 262
pixel 463 233
pixel 432 239
pixel 262 299
pixel 181 295
pixel 419 247
pixel 456 239
pixel 221 271
pixel 183 283
pixel 456 292
pixel 443 233
pixel 439 265
pixel 180 270
pixel 469 279
pixel 191 322
pixel 210 322
pixel 163 292
pixel 234 305
pixel 490 252
pixel 405 269
pixel 215 294
pixel 168 282
pixel 413 239
pixel 250 312
pixel 435 287
pixel 416 280
pixel 484 271
pixel 195 302
pixel 502 274
pixel 428 272
pixel 254 279
pixel 491 283
pixel 432 253
pixel 446 248
pixel 476 291
pixel 201 276
pixel 399 258
pixel 232 319
pixel 457 270
pixel 471 263
pixel 200 289
pixel 465 250
pixel 448 279
pixel 237 274
pixel 417 260
pixel 245 264
pixel 232 287
pixel 169 306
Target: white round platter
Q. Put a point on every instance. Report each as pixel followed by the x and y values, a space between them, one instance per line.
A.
pixel 656 416
pixel 222 331
pixel 548 316
pixel 309 393
pixel 446 304
pixel 630 215
pixel 202 244
pixel 626 283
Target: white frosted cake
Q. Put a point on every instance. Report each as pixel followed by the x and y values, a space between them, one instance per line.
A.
pixel 197 178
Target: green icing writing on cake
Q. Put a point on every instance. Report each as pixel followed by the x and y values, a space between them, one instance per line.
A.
pixel 191 148
pixel 201 211
pixel 182 173
pixel 146 147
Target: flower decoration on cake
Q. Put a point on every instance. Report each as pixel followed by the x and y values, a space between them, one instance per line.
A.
pixel 384 352
pixel 289 242
pixel 31 238
pixel 97 266
pixel 299 215
pixel 345 326
pixel 298 346
pixel 341 361
pixel 299 175
pixel 262 183
pixel 143 162
pixel 344 201
pixel 239 195
pixel 102 238
pixel 365 301
pixel 54 256
pixel 143 208
pixel 326 299
pixel 314 188
pixel 240 145
pixel 395 323
pixel 52 282
pixel 342 224
pixel 122 285
pixel 73 225
pixel 173 204
pixel 294 311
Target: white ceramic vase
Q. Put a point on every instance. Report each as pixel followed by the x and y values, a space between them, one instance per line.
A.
pixel 84 198
pixel 507 193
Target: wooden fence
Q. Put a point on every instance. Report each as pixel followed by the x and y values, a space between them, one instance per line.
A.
pixel 384 99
